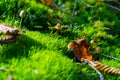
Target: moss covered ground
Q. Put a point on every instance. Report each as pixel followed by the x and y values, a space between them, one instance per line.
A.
pixel 41 53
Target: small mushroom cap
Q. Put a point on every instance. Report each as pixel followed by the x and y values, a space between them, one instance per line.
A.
pixel 70 45
pixel 58 26
pixel 22 14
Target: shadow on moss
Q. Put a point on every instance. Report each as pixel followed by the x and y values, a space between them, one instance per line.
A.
pixel 21 48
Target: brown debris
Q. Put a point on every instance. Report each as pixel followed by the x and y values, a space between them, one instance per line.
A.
pixel 10 34
pixel 81 49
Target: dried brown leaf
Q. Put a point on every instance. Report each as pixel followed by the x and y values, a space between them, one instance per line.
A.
pixel 81 49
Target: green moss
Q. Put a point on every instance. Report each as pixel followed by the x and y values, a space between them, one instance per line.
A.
pixel 44 58
pixel 42 55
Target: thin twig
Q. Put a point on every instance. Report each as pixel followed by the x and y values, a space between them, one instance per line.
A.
pixel 111 0
pixel 114 8
pixel 116 2
pixel 88 5
pixel 75 5
pixel 101 77
pixel 100 74
pixel 107 56
pixel 110 57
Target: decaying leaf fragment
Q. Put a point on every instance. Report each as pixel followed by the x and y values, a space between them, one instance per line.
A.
pixel 81 49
